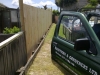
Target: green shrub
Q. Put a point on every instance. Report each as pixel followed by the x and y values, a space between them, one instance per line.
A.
pixel 91 4
pixel 11 30
pixel 55 12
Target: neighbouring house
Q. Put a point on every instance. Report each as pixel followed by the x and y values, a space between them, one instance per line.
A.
pixel 9 17
pixel 76 6
pixel 3 6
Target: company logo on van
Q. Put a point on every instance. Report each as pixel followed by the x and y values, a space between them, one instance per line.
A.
pixel 71 60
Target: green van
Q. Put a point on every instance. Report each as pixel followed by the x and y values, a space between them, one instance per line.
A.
pixel 76 42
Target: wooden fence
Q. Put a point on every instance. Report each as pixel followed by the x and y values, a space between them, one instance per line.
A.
pixel 36 23
pixel 13 54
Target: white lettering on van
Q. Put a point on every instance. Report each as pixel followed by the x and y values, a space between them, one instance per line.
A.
pixel 71 60
pixel 93 72
pixel 59 50
pixel 78 63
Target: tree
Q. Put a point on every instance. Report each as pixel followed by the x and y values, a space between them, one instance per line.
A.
pixel 45 7
pixel 66 3
pixel 55 12
pixel 92 3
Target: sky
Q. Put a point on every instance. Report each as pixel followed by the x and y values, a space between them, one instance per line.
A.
pixel 36 3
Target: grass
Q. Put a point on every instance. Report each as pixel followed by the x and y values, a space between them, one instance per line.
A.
pixel 50 34
pixel 61 31
pixel 43 64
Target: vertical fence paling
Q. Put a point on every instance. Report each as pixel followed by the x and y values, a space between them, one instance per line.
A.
pixel 37 21
pixel 13 56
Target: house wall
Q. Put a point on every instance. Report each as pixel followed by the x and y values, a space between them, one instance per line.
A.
pixel 76 6
pixel 72 7
pixel 81 3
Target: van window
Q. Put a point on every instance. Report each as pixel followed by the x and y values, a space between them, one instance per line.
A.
pixel 71 28
pixel 95 24
pixel 94 20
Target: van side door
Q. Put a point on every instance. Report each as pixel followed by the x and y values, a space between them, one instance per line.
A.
pixel 70 27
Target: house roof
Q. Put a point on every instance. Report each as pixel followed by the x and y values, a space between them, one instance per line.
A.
pixel 3 6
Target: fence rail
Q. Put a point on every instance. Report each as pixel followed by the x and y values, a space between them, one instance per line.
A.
pixel 12 54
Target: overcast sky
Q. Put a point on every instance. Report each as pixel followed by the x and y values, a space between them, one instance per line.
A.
pixel 36 3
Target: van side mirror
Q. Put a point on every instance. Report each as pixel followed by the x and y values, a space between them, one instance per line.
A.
pixel 82 44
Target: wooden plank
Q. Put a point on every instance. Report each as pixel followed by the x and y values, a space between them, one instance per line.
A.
pixel 35 26
pixel 21 15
